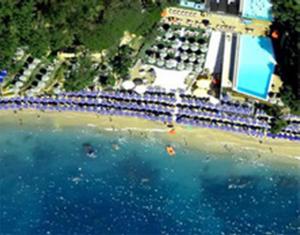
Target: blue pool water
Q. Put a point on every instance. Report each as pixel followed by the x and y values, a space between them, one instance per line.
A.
pixel 256 66
pixel 192 4
pixel 258 9
pixel 49 186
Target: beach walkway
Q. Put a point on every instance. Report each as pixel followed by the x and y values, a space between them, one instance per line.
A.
pixel 219 22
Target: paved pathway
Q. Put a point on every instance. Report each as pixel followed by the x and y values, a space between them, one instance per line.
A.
pixel 220 22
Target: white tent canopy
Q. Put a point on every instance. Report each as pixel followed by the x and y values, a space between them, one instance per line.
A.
pixel 140 89
pixel 200 92
pixel 128 85
pixel 212 55
pixel 170 79
pixel 203 83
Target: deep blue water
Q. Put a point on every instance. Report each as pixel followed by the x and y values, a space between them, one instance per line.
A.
pixel 49 186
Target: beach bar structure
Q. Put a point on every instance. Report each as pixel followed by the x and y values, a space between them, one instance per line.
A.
pixel 225 6
pixel 215 54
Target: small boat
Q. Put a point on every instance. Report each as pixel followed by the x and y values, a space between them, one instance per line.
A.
pixel 172 132
pixel 170 150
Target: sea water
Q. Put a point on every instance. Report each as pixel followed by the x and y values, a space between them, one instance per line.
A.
pixel 49 185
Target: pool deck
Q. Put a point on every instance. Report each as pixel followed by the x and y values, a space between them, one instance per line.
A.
pixel 226 83
pixel 257 9
pixel 211 60
pixel 219 22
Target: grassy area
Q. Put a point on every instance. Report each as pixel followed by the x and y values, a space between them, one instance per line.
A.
pixel 147 42
pixel 16 67
pixel 149 20
pixel 80 77
pixel 119 20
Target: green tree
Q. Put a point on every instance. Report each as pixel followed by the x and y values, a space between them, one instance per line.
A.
pixel 290 100
pixel 277 125
pixel 9 40
pixel 122 61
pixel 44 26
pixel 8 47
pixel 60 38
pixel 287 21
pixel 111 81
pixel 81 77
pixel 278 122
pixel 38 43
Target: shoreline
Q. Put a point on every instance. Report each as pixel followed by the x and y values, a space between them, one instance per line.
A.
pixel 197 138
pixel 165 107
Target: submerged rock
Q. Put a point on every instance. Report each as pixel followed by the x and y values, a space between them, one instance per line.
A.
pixel 115 145
pixel 89 150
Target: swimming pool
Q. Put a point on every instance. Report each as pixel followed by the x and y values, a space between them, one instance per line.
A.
pixel 255 66
pixel 258 9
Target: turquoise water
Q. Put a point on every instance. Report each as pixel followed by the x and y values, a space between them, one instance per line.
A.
pixel 258 9
pixel 49 186
pixel 256 66
pixel 191 4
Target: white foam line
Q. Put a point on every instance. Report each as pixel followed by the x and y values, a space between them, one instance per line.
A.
pixel 297 157
pixel 136 129
pixel 230 144
pixel 91 125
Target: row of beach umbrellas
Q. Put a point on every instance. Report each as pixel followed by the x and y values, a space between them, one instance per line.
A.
pixel 234 128
pixel 88 105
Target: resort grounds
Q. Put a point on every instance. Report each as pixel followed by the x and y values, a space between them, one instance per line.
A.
pixel 169 87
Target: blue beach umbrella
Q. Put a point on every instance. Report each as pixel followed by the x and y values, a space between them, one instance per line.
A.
pixel 3 74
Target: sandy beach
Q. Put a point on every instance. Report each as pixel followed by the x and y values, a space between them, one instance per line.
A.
pixel 192 137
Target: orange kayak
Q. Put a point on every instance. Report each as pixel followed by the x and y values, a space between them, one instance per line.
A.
pixel 170 150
